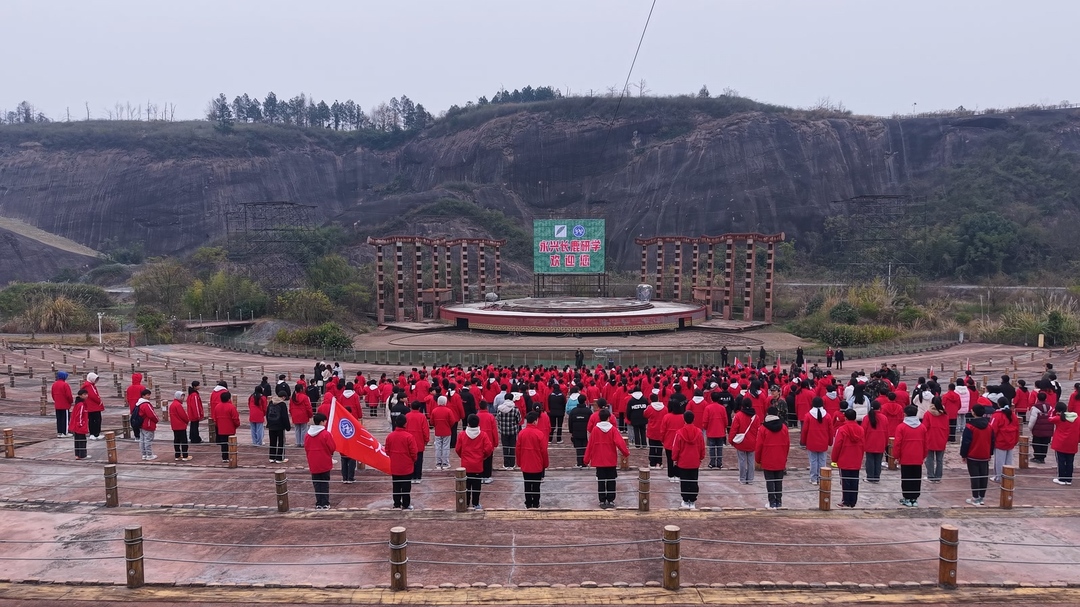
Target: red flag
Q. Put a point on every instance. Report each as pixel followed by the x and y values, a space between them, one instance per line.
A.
pixel 353 440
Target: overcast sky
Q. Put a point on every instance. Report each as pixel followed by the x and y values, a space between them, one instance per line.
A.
pixel 876 57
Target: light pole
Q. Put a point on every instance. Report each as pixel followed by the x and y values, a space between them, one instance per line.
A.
pixel 100 315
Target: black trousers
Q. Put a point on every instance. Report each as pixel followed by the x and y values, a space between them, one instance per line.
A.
pixel 556 427
pixel 94 419
pixel 849 482
pixel 509 442
pixel 656 452
pixel 473 483
pixel 672 469
pixel 639 436
pixel 453 435
pixel 605 483
pixel 402 490
pixel 80 445
pixel 277 445
pixel 952 430
pixel 828 362
pixel 979 471
pixel 418 466
pixel 180 443
pixel 223 441
pixel 579 447
pixel 688 484
pixel 911 481
pixel 774 484
pixel 1065 462
pixel 487 467
pixel 1040 444
pixel 348 468
pixel 532 488
pixel 61 421
pixel 193 433
pixel 321 482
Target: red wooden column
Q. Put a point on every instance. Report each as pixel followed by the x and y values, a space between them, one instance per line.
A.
pixel 435 270
pixel 644 262
pixel 498 269
pixel 694 271
pixel 748 287
pixel 660 269
pixel 709 281
pixel 449 274
pixel 418 301
pixel 678 270
pixel 769 281
pixel 399 288
pixel 483 273
pixel 465 271
pixel 380 310
pixel 729 277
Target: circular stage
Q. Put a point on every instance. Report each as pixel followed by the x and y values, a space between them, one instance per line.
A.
pixel 573 315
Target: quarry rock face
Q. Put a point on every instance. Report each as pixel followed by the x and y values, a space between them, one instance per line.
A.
pixel 646 175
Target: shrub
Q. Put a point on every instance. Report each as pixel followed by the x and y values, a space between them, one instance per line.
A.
pixel 909 315
pixel 17 298
pixel 845 313
pixel 814 305
pixel 305 305
pixel 327 335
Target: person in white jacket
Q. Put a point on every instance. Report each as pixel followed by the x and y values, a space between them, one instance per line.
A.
pixel 965 405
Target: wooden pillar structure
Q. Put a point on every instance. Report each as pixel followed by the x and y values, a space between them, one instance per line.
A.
pixel 418 302
pixel 660 269
pixel 449 275
pixel 729 276
pixel 399 287
pixel 498 269
pixel 678 270
pixel 436 271
pixel 464 272
pixel 483 273
pixel 697 264
pixel 770 266
pixel 644 262
pixel 709 280
pixel 748 286
pixel 380 303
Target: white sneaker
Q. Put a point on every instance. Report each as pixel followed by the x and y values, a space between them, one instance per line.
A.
pixel 1058 481
pixel 487 481
pixel 685 505
pixel 692 507
pixel 972 501
pixel 673 479
pixel 150 457
pixel 144 458
pixel 416 481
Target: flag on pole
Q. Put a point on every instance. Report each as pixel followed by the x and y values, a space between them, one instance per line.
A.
pixel 353 440
pixel 737 365
pixel 969 364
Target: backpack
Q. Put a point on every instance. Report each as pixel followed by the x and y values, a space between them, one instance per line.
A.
pixel 136 418
pixel 273 414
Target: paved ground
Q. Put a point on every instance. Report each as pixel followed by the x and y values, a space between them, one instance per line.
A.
pixel 208 505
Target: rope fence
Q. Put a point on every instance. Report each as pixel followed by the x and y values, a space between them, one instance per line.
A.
pixel 670 553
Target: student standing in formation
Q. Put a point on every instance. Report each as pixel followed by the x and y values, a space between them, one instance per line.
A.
pixel 1065 442
pixel 635 412
pixel 716 422
pixel 578 426
pixel 910 450
pixel 178 422
pixel 1040 427
pixel 443 419
pixel 532 458
pixel 975 447
pixel 556 404
pixel 149 424
pixel 1006 427
pixel 743 434
pixel 847 454
pixel 195 413
pixel 319 447
pixel 654 434
pixel 277 424
pixel 94 406
pixel 669 427
pixel 474 447
pixel 300 414
pixel 688 451
pixel 226 421
pixel 509 419
pixel 79 425
pixel 817 436
pixel 402 449
pixel 602 453
pixel 257 415
pixel 771 451
pixel 875 439
pixel 936 421
pixel 417 425
pixel 62 401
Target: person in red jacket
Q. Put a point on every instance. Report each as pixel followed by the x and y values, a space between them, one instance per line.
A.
pixel 402 449
pixel 909 449
pixel 952 403
pixel 443 419
pixel 226 420
pixel 62 401
pixel 195 412
pixel 300 414
pixel 654 417
pixel 669 427
pixel 602 453
pixel 490 427
pixel 771 451
pixel 319 447
pixel 79 425
pixel 417 425
pixel 847 454
pixel 1065 442
pixel 149 424
pixel 936 421
pixel 132 396
pixel 532 457
pixel 716 422
pixel 178 421
pixel 1006 427
pixel 475 449
pixel 975 448
pixel 94 406
pixel 816 436
pixel 743 434
pixel 257 415
pixel 688 450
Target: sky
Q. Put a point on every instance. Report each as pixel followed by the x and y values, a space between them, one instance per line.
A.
pixel 875 57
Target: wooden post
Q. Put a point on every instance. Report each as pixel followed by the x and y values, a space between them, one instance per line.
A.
pixel 211 430
pixel 889 455
pixel 112 497
pixel 9 442
pixel 462 504
pixel 42 402
pixel 3 391
pixel 671 557
pixel 1025 451
pixel 232 451
pixel 399 579
pixel 281 488
pixel 950 543
pixel 164 409
pixel 825 489
pixel 125 423
pixel 1008 483
pixel 30 371
pixel 110 446
pixel 643 483
pixel 624 462
pixel 133 556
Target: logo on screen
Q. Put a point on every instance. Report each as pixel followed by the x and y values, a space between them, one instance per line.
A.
pixel 560 231
pixel 579 231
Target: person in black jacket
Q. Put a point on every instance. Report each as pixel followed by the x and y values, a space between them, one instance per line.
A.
pixel 556 411
pixel 277 424
pixel 635 410
pixel 578 425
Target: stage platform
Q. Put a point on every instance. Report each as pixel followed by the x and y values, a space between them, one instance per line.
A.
pixel 731 326
pixel 573 315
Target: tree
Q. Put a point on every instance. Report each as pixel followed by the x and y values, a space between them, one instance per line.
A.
pixel 270 108
pixel 25 112
pixel 220 114
pixel 704 92
pixel 162 284
pixel 643 88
